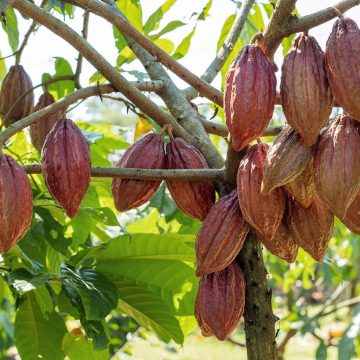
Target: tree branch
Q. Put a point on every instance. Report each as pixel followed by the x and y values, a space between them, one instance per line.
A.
pixel 217 64
pixel 147 174
pixel 4 5
pixel 101 64
pixel 317 18
pixel 126 28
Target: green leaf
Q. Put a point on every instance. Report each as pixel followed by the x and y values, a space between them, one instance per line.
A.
pixel 163 202
pixel 184 46
pixel 168 28
pixel 165 44
pixel 321 351
pixel 79 348
pixel 37 336
pixel 2 67
pixel 286 44
pixel 149 311
pixel 23 280
pixel 152 23
pixel 91 290
pixel 11 28
pixel 205 11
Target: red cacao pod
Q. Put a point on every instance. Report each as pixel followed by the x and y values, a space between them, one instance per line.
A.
pixel 194 198
pixel 220 301
pixel 221 236
pixel 305 92
pixel 282 244
pixel 302 188
pixel 66 165
pixel 16 83
pixel 352 218
pixel 249 98
pixel 41 128
pixel 15 203
pixel 337 165
pixel 262 212
pixel 311 228
pixel 146 153
pixel 287 158
pixel 342 54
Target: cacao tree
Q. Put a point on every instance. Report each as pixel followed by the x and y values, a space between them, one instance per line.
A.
pixel 231 208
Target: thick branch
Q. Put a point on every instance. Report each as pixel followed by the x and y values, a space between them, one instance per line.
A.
pixel 317 18
pixel 101 64
pixel 147 174
pixel 126 28
pixel 217 64
pixel 65 102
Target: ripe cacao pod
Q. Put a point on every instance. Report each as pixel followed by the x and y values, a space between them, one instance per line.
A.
pixel 221 236
pixel 352 218
pixel 305 92
pixel 249 98
pixel 146 153
pixel 282 244
pixel 337 165
pixel 194 198
pixel 66 165
pixel 262 212
pixel 287 158
pixel 16 83
pixel 302 188
pixel 15 203
pixel 311 228
pixel 41 128
pixel 220 301
pixel 342 54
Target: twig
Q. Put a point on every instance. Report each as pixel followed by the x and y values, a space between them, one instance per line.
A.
pixel 226 49
pixel 101 64
pixel 125 27
pixel 128 104
pixel 346 303
pixel 64 103
pixel 232 341
pixel 147 174
pixel 80 57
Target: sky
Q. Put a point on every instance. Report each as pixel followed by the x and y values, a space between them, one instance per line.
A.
pixel 44 45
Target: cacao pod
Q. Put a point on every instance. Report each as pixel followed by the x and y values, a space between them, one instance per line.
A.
pixel 221 236
pixel 311 227
pixel 337 165
pixel 342 53
pixel 194 198
pixel 262 212
pixel 66 165
pixel 220 301
pixel 352 218
pixel 282 245
pixel 16 83
pixel 287 158
pixel 41 128
pixel 249 98
pixel 305 92
pixel 15 203
pixel 302 188
pixel 146 153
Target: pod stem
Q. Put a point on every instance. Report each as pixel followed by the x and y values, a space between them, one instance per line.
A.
pixel 168 130
pixel 337 12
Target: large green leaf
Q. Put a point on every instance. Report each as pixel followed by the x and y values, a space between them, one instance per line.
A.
pixel 11 27
pixel 184 45
pixel 38 336
pixel 149 311
pixel 152 23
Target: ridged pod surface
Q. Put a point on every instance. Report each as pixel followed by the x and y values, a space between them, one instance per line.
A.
pixel 221 236
pixel 302 188
pixel 305 92
pixel 287 158
pixel 146 153
pixel 194 198
pixel 15 203
pixel 342 65
pixel 352 218
pixel 337 165
pixel 66 165
pixel 16 83
pixel 263 212
pixel 311 228
pixel 282 244
pixel 40 129
pixel 220 301
pixel 249 98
